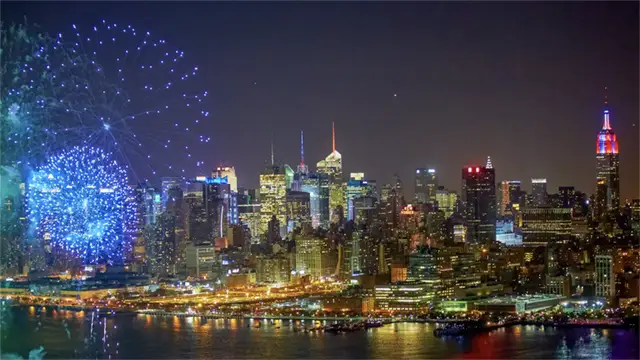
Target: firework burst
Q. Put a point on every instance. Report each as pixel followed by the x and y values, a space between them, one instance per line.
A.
pixel 109 86
pixel 79 204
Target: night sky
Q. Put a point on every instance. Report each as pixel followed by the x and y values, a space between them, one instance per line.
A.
pixel 408 85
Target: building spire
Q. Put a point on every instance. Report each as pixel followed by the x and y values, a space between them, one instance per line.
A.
pixel 301 147
pixel 333 135
pixel 606 125
pixel 272 155
pixel 489 164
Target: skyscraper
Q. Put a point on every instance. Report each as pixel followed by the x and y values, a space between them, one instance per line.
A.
pixel 510 195
pixel 358 187
pixel 446 200
pixel 331 166
pixel 479 198
pixel 273 193
pixel 539 192
pixel 221 206
pixel 426 184
pixel 230 173
pixel 607 168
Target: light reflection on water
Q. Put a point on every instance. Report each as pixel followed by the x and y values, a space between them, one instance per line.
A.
pixel 173 337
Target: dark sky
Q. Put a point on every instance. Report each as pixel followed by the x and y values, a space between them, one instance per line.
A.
pixel 521 82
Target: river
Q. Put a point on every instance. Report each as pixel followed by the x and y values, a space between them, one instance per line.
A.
pixel 69 334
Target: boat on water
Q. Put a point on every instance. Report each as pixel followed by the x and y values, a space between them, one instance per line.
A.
pixel 373 324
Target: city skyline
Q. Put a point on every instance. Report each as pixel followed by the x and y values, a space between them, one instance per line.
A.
pixel 452 99
pixel 160 199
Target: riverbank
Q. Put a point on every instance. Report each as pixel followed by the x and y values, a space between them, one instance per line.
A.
pixel 107 312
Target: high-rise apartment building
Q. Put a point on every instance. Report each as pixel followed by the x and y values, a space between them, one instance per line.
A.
pixel 604 276
pixel 479 198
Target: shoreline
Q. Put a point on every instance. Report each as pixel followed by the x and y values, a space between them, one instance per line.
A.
pixel 108 312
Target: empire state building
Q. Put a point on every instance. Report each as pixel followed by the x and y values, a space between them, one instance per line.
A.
pixel 607 169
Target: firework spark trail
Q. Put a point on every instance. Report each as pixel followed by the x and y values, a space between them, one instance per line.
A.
pixel 118 89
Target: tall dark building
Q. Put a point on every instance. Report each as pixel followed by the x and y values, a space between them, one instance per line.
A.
pixel 567 196
pixel 218 200
pixel 479 198
pixel 426 184
pixel 607 169
pixel 539 192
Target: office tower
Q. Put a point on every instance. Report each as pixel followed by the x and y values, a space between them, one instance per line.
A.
pixel 221 206
pixel 198 229
pixel 230 173
pixel 169 183
pixel 539 192
pixel 298 210
pixel 446 201
pixel 479 199
pixel 567 196
pixel 604 276
pixel 607 169
pixel 273 196
pixel 311 184
pixel 358 187
pixel 510 195
pixel 331 168
pixel 249 212
pixel 161 245
pixel 149 203
pixel 426 185
pixel 372 251
pixel 545 225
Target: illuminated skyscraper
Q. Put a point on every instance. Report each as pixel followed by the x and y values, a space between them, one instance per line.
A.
pixel 510 196
pixel 273 194
pixel 298 210
pixel 446 201
pixel 230 173
pixel 426 184
pixel 331 166
pixel 221 206
pixel 607 168
pixel 479 198
pixel 358 187
pixel 539 192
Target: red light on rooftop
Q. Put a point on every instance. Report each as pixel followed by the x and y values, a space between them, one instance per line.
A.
pixel 477 169
pixel 470 170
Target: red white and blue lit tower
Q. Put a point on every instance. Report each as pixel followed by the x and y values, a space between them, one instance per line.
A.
pixel 607 168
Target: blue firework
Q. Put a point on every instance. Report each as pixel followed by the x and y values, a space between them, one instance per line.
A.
pixel 79 204
pixel 107 86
